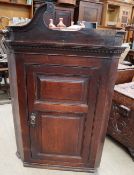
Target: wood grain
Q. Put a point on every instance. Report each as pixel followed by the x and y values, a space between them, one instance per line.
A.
pixel 62 85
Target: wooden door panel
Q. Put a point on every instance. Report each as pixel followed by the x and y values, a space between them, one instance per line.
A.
pixel 59 88
pixel 57 139
pixel 63 99
pixel 37 79
pixel 58 134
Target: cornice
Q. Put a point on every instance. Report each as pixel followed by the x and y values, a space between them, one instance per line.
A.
pixel 62 48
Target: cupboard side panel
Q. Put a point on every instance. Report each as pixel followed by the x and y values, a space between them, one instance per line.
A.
pixel 103 107
pixel 22 105
pixel 15 104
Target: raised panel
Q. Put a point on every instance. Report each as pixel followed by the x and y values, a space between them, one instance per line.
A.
pixel 58 137
pixel 59 88
pixel 61 134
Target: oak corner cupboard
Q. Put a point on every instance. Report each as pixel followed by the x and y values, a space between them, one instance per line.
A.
pixel 61 87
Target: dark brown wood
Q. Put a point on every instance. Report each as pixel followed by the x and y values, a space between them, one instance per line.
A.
pixel 121 120
pixel 121 125
pixel 125 74
pixel 61 86
pixel 90 11
pixel 130 56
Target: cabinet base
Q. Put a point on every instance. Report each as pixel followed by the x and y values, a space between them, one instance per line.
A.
pixel 58 167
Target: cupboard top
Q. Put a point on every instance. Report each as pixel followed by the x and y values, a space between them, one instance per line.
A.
pixel 37 34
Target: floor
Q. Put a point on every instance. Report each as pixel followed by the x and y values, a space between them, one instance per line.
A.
pixel 115 161
pixel 4 98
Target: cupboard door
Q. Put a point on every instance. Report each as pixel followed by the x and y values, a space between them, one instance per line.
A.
pixel 61 102
pixel 90 12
